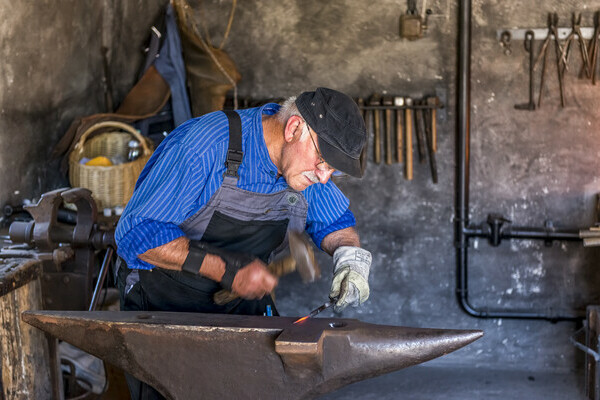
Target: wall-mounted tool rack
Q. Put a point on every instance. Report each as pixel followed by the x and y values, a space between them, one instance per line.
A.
pixel 391 121
pixel 541 33
pixel 563 41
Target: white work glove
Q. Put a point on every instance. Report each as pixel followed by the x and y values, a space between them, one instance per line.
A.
pixel 350 284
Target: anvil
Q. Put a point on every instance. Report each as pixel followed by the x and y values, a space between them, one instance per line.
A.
pixel 209 356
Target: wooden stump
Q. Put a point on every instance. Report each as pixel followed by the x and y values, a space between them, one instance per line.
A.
pixel 26 371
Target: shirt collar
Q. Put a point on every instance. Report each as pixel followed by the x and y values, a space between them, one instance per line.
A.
pixel 264 160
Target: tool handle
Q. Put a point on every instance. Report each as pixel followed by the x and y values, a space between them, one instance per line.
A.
pixel 278 268
pixel 433 130
pixel 388 137
pixel 375 100
pixel 430 152
pixel 377 138
pixel 399 134
pixel 369 124
pixel 420 133
pixel 408 147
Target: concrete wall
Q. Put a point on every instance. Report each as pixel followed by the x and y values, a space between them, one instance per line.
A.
pixel 529 166
pixel 52 73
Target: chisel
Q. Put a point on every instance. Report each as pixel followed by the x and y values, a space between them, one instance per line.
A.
pixel 408 147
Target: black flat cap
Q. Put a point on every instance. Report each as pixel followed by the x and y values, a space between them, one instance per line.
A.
pixel 339 125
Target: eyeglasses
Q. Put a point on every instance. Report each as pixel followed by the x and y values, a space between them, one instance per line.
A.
pixel 322 164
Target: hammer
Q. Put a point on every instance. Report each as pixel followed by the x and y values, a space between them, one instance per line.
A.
pixel 433 102
pixel 301 259
pixel 399 102
pixel 388 102
pixel 408 147
pixel 375 100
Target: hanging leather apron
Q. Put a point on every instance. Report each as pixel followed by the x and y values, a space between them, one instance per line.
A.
pixel 233 219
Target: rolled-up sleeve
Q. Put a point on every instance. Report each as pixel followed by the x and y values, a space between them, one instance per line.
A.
pixel 166 194
pixel 327 211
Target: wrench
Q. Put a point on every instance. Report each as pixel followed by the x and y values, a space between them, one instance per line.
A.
pixel 529 38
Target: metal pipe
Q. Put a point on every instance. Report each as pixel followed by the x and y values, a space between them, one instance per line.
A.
pixel 395 107
pixel 462 230
pixel 525 233
pixel 461 218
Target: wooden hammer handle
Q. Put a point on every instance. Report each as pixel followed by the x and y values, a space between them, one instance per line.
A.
pixel 408 145
pixel 278 268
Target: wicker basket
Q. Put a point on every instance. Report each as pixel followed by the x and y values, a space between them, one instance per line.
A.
pixel 111 186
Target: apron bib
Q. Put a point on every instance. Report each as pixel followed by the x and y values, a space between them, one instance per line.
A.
pixel 233 219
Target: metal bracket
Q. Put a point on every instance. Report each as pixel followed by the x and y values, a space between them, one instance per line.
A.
pixel 542 33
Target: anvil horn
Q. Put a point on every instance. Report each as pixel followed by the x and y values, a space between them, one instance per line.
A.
pixel 190 355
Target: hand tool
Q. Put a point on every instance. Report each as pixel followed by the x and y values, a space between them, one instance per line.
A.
pixel 301 259
pixel 429 138
pixel 369 125
pixel 184 355
pixel 529 38
pixel 365 113
pixel 375 100
pixel 399 102
pixel 316 311
pixel 419 131
pixel 552 32
pixel 594 46
pixel 566 50
pixel 408 147
pixel 361 106
pixel 543 56
pixel 553 27
pixel 388 102
pixel 433 102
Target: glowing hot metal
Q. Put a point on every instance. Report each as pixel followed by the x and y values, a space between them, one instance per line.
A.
pixel 314 312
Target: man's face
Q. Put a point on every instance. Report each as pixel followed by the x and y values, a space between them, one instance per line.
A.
pixel 301 161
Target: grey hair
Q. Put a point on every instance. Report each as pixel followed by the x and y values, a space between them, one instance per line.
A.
pixel 289 109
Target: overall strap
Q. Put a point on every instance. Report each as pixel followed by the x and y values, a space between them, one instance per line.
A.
pixel 234 152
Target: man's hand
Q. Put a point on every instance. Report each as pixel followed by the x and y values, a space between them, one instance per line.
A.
pixel 253 281
pixel 350 284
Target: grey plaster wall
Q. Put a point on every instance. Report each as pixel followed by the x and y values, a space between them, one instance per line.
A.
pixel 52 73
pixel 530 166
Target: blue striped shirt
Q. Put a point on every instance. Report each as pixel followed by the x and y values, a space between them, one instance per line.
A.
pixel 187 169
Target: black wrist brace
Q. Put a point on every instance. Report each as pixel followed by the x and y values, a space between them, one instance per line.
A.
pixel 233 261
pixel 195 257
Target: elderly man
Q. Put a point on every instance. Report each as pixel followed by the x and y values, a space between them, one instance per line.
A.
pixel 218 196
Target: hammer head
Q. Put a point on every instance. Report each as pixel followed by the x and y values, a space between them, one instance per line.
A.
pixel 302 252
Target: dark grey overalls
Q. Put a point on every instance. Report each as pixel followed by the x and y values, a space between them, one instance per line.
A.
pixel 233 219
